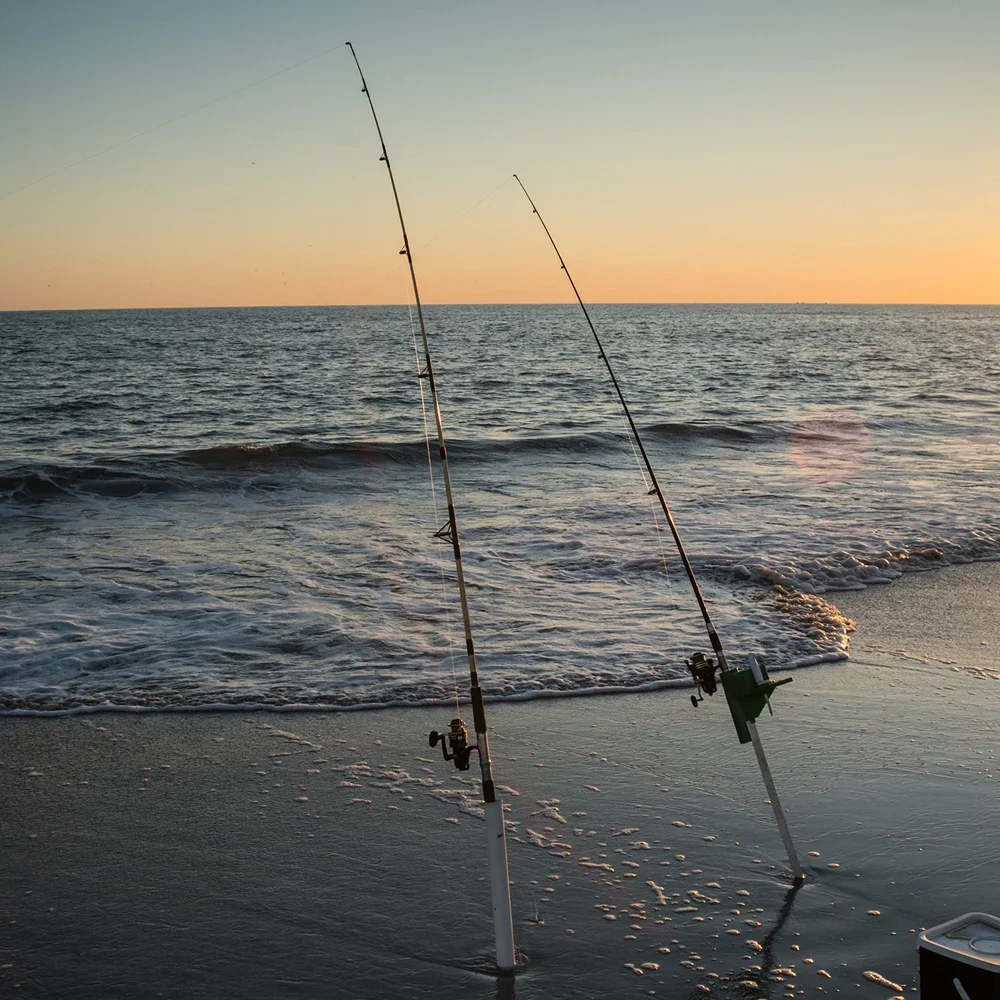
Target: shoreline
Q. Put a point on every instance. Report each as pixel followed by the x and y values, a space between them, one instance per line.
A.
pixel 849 602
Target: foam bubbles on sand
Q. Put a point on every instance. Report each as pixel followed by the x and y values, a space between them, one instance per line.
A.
pixel 881 980
pixel 283 734
pixel 597 865
pixel 549 810
pixel 396 780
pixel 661 898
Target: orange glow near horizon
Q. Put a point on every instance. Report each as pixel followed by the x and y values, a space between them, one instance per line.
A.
pixel 208 270
pixel 131 257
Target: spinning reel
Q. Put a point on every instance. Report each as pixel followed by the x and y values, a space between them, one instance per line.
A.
pixel 702 669
pixel 456 740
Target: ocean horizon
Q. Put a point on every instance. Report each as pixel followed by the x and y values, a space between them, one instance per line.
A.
pixel 501 305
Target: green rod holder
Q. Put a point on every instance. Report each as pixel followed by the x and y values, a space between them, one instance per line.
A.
pixel 746 697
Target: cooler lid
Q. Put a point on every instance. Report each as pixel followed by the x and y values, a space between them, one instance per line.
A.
pixel 972 939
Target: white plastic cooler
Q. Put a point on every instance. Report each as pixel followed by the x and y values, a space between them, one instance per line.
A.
pixel 960 959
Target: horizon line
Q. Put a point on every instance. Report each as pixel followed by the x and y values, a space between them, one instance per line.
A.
pixel 480 305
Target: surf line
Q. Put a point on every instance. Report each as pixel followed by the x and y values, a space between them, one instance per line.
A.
pixel 455 744
pixel 747 689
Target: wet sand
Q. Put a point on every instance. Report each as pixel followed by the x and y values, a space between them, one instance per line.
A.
pixel 316 855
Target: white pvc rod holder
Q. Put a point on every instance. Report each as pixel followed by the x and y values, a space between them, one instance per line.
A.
pixel 500 883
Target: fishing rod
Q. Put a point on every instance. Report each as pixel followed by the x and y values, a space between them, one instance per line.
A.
pixel 454 743
pixel 747 690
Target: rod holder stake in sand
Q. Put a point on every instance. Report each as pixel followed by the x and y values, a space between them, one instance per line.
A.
pixel 772 792
pixel 748 692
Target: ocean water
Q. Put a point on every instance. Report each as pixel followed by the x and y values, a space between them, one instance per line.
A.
pixel 233 506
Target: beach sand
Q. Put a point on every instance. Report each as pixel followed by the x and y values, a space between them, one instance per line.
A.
pixel 309 854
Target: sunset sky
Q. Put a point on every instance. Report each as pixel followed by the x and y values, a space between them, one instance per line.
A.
pixel 721 151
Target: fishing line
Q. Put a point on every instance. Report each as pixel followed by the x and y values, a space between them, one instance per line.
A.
pixel 170 121
pixel 649 494
pixel 430 471
pixel 659 539
pixel 451 225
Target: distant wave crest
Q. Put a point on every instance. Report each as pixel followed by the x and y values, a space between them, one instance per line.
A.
pixel 60 481
pixel 162 473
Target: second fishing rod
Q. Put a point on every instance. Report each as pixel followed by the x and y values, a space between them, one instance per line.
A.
pixel 747 690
